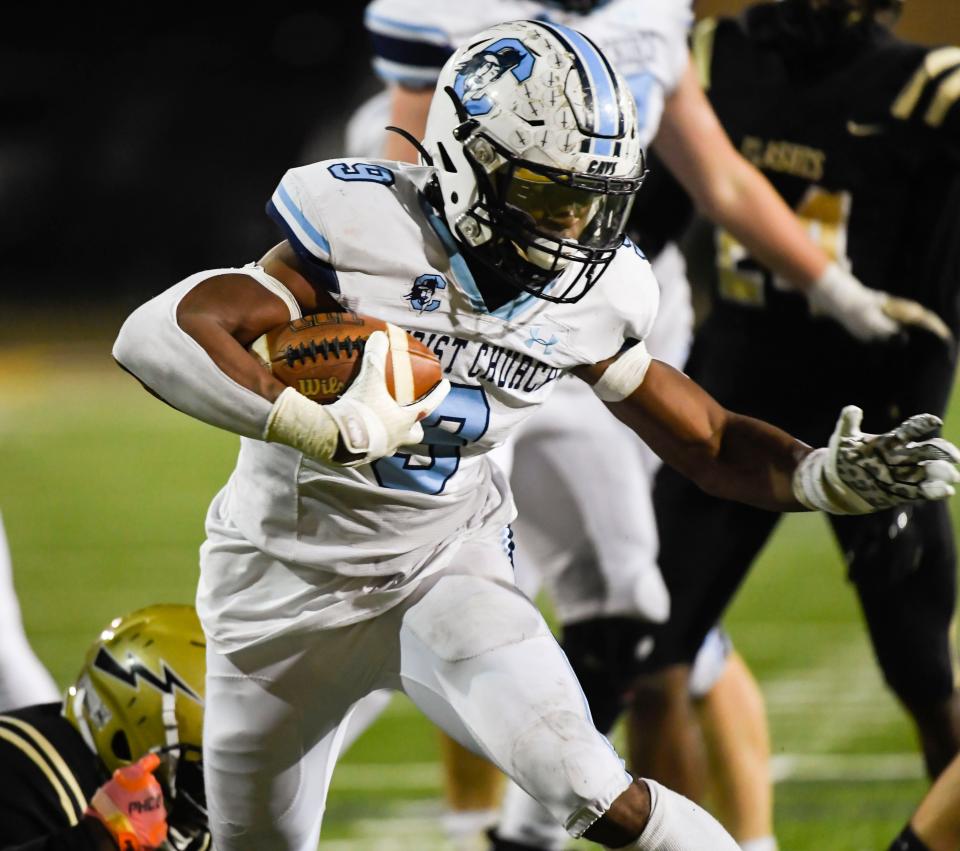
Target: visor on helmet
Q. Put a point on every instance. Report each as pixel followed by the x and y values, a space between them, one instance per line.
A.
pixel 572 215
pixel 553 218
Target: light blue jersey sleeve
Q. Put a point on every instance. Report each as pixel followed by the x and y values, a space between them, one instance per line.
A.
pixel 291 206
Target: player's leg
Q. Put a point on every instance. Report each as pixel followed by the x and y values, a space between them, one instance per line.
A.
pixel 734 722
pixel 23 678
pixel 275 719
pixel 276 714
pixel 935 825
pixel 479 660
pixel 473 788
pixel 903 565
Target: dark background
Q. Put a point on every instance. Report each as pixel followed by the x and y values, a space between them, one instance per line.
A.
pixel 137 148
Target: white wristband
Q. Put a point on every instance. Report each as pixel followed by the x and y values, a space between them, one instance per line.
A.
pixel 814 489
pixel 296 421
pixel 808 482
pixel 624 375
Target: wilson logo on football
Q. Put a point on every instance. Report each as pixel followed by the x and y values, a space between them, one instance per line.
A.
pixel 326 387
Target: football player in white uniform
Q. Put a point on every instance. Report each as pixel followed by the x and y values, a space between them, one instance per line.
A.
pixel 356 548
pixel 582 480
pixel 602 563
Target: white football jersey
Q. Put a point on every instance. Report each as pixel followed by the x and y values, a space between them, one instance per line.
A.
pixel 383 251
pixel 645 40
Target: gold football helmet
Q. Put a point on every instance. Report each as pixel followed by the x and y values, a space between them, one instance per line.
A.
pixel 141 689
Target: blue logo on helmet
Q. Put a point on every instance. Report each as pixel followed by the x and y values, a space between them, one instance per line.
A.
pixel 487 66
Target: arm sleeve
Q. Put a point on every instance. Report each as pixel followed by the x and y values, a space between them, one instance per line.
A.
pixel 153 348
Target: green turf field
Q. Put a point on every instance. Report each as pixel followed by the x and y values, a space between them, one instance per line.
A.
pixel 103 491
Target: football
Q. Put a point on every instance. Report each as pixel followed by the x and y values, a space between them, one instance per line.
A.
pixel 319 355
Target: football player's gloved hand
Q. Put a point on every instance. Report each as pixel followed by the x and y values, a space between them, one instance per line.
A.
pixel 366 420
pixel 869 314
pixel 859 473
pixel 130 806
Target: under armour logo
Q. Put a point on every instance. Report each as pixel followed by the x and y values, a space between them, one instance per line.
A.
pixel 536 340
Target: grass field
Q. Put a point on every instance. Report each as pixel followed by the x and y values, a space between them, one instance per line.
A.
pixel 103 491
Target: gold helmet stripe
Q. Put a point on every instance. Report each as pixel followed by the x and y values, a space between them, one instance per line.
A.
pixel 70 808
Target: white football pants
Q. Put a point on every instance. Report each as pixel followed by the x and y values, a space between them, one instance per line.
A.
pixel 467 648
pixel 23 679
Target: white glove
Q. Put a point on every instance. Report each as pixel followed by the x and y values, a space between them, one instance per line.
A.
pixel 869 314
pixel 860 473
pixel 367 419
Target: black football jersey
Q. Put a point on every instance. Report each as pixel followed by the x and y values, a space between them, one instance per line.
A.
pixel 48 774
pixel 862 139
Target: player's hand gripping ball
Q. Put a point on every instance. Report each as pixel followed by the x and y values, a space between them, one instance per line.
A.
pixel 319 356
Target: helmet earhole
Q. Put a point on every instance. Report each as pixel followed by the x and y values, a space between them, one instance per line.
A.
pixel 454 197
pixel 120 746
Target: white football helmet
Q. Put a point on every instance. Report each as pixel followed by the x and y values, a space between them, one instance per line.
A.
pixel 534 138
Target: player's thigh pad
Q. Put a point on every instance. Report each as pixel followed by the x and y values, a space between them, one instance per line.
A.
pixel 478 659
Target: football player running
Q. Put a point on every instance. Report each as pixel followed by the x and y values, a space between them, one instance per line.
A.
pixel 582 480
pixel 354 546
pixel 115 766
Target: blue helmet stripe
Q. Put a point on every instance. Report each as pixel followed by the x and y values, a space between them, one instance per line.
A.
pixel 606 110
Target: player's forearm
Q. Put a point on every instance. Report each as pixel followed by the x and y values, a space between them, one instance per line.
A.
pixel 728 455
pixel 754 463
pixel 730 190
pixel 408 110
pixel 747 205
pixel 219 386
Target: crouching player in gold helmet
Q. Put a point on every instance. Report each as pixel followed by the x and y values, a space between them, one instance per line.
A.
pixel 117 764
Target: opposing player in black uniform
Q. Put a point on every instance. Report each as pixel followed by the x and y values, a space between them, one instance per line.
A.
pixel 135 710
pixel 860 132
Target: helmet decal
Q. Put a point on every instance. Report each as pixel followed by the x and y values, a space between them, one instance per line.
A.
pixel 602 115
pixel 135 668
pixel 478 72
